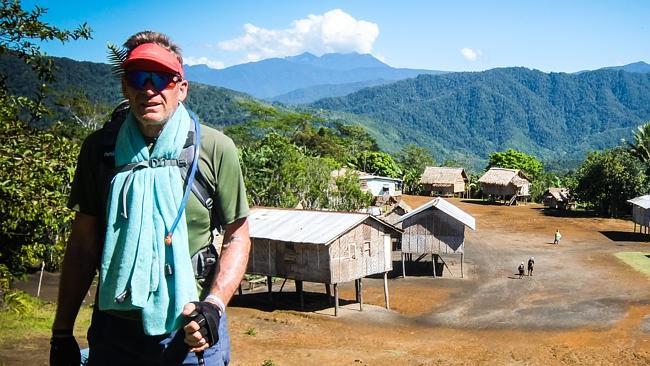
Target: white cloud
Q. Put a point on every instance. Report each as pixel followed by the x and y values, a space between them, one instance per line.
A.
pixel 470 54
pixel 213 64
pixel 334 31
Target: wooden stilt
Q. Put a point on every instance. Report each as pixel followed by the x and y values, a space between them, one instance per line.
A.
pixel 360 295
pixel 329 293
pixel 269 284
pixel 239 289
pixel 336 299
pixel 301 296
pixel 356 290
pixel 433 263
pixel 386 290
pixel 403 266
pixel 461 265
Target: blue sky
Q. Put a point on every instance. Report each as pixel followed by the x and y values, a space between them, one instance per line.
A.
pixel 561 36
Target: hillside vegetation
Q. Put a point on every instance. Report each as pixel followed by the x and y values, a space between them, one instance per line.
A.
pixel 557 117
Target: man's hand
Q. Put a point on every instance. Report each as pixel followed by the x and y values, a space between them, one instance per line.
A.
pixel 64 351
pixel 202 329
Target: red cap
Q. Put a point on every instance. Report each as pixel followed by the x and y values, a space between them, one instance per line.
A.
pixel 153 57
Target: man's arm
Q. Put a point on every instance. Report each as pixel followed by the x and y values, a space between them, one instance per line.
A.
pixel 232 266
pixel 79 267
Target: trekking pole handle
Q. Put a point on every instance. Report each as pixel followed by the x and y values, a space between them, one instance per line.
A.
pixel 199 354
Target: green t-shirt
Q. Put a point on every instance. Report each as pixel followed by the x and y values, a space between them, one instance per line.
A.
pixel 218 163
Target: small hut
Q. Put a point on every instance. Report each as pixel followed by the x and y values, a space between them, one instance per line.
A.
pixel 436 228
pixel 511 185
pixel 641 213
pixel 320 246
pixel 380 186
pixel 558 198
pixel 444 181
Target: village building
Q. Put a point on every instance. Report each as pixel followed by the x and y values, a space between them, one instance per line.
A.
pixel 558 198
pixel 436 228
pixel 320 246
pixel 641 213
pixel 444 181
pixel 510 185
pixel 380 186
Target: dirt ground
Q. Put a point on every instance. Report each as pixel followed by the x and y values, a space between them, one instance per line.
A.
pixel 583 306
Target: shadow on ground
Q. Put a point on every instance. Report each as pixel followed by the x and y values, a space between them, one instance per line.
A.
pixel 626 236
pixel 289 300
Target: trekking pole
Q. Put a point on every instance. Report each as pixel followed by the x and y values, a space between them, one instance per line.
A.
pixel 199 354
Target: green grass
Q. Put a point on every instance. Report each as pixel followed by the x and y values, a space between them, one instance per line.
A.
pixel 637 260
pixel 34 320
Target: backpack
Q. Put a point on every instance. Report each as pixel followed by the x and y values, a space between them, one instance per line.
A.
pixel 199 183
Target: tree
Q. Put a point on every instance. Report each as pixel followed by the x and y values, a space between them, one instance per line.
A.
pixel 20 34
pixel 641 146
pixel 606 180
pixel 513 159
pixel 36 166
pixel 414 159
pixel 376 162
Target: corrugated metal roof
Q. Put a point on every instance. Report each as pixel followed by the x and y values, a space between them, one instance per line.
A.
pixel 304 226
pixel 447 208
pixel 642 201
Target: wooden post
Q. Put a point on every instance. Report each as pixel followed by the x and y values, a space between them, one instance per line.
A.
pixel 356 290
pixel 403 266
pixel 269 285
pixel 40 279
pixel 300 293
pixel 336 299
pixel 239 289
pixel 386 290
pixel 434 262
pixel 461 265
pixel 329 293
pixel 360 295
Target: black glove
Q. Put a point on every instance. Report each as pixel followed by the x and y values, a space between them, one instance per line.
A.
pixel 64 351
pixel 207 316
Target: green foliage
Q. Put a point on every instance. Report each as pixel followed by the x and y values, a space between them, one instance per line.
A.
pixel 513 159
pixel 116 57
pixel 557 117
pixel 17 302
pixel 20 34
pixel 251 332
pixel 377 163
pixel 36 168
pixel 414 159
pixel 347 195
pixel 606 180
pixel 641 146
pixel 268 363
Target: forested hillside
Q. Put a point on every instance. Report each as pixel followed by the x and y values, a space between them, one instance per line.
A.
pixel 557 117
pixel 216 106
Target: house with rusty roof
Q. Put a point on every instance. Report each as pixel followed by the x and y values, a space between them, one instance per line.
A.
pixel 320 246
pixel 444 181
pixel 510 185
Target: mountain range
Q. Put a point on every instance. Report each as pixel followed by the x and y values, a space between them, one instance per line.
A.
pixel 460 116
pixel 274 78
pixel 464 116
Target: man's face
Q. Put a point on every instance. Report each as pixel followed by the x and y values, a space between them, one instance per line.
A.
pixel 151 107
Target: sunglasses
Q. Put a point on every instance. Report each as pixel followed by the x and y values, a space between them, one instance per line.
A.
pixel 159 80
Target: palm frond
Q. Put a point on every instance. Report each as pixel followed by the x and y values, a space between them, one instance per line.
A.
pixel 116 56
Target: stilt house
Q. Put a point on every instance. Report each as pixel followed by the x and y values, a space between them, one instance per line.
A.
pixel 511 185
pixel 444 181
pixel 641 213
pixel 436 228
pixel 558 198
pixel 320 246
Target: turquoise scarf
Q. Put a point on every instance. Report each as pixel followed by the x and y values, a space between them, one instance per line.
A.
pixel 138 271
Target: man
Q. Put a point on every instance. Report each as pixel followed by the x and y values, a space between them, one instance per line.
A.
pixel 557 238
pixel 531 264
pixel 138 225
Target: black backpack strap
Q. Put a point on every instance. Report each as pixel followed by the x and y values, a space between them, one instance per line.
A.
pixel 200 187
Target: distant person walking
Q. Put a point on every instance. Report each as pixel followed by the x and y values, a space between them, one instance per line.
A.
pixel 521 270
pixel 531 263
pixel 558 236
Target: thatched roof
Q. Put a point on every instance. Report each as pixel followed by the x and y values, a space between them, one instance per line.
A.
pixel 442 176
pixel 560 194
pixel 503 177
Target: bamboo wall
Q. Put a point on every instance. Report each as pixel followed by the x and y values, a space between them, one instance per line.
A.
pixel 640 215
pixel 432 231
pixel 356 254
